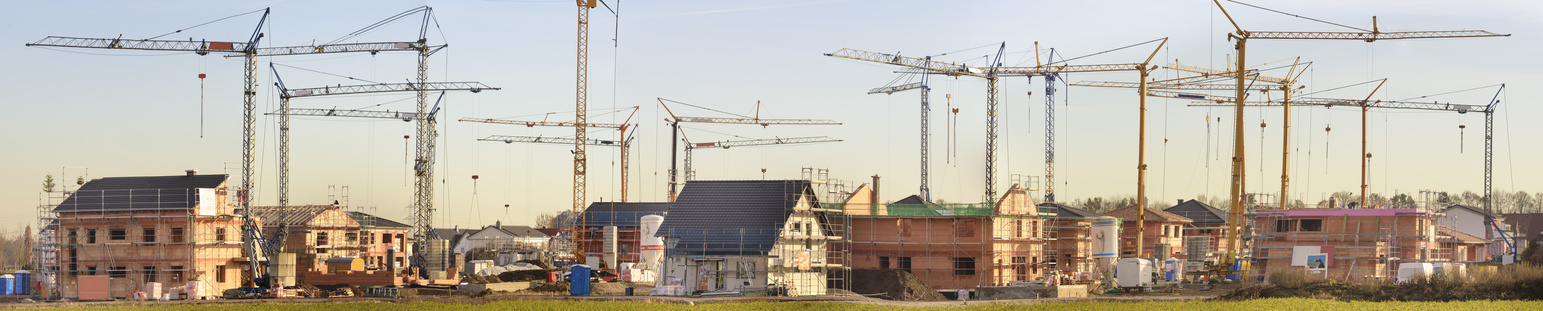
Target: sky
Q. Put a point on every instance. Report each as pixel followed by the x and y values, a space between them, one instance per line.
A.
pixel 97 113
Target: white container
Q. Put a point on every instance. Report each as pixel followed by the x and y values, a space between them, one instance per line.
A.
pixel 1133 272
pixel 1106 237
pixel 1407 271
pixel 652 249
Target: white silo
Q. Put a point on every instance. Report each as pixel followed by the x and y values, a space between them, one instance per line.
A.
pixel 652 247
pixel 1106 237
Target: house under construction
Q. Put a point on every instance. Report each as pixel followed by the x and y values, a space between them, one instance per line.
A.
pixel 118 235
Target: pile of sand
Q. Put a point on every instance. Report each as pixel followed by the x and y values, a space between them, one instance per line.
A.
pixel 892 285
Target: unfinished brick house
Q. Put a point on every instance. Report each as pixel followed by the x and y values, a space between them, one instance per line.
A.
pixel 627 217
pixel 314 233
pixel 1459 247
pixel 1069 247
pixel 1164 230
pixel 1361 243
pixel 748 235
pixel 118 233
pixel 385 242
pixel 953 246
pixel 1209 222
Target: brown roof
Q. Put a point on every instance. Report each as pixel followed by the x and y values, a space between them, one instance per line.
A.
pixel 1457 236
pixel 1129 212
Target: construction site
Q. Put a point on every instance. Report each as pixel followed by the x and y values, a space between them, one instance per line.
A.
pixel 715 190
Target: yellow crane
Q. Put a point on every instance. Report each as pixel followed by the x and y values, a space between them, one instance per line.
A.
pixel 621 129
pixel 756 120
pixel 1241 38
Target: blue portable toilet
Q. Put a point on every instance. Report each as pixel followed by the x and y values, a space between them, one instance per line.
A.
pixel 23 282
pixel 578 280
pixel 7 284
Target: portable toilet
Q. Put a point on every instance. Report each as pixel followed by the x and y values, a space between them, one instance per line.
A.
pixel 1171 269
pixel 23 282
pixel 7 284
pixel 578 280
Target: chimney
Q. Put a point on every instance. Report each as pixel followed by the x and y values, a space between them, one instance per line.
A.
pixel 192 172
pixel 1181 201
pixel 874 196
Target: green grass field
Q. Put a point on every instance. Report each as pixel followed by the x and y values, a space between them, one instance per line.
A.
pixel 1294 304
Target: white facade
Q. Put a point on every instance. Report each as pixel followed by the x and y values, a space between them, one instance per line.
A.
pixel 495 238
pixel 797 261
pixel 1475 224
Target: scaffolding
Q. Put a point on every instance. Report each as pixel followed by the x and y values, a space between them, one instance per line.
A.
pixel 794 259
pixel 96 250
pixel 952 246
pixel 1360 244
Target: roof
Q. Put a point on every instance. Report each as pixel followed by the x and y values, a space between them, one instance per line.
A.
pixel 1458 236
pixel 289 215
pixel 1199 212
pixel 723 217
pixel 523 231
pixel 139 193
pixel 449 234
pixel 1474 210
pixel 1129 213
pixel 368 220
pixel 623 214
pixel 1065 211
pixel 913 199
pixel 549 231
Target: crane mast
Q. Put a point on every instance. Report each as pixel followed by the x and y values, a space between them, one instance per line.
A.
pixel 1242 36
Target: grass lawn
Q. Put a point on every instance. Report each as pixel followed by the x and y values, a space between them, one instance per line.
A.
pixel 1294 304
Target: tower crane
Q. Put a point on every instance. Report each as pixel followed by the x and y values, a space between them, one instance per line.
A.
pixel 581 124
pixel 726 144
pixel 757 120
pixel 248 50
pixel 1235 194
pixel 926 191
pixel 423 164
pixel 1488 109
pixel 621 130
pixel 992 73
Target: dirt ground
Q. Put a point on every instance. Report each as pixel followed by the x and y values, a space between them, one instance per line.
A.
pixel 892 284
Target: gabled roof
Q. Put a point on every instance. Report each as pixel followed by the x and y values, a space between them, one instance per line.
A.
pixel 549 231
pixel 1457 236
pixel 142 193
pixel 367 220
pixel 449 234
pixel 523 231
pixel 732 217
pixel 622 214
pixel 913 199
pixel 1199 212
pixel 1474 210
pixel 1063 211
pixel 299 215
pixel 1129 213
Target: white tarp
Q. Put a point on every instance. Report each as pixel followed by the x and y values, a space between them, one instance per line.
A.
pixel 207 202
pixel 1299 254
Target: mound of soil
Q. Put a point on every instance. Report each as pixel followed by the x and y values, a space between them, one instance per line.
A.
pixel 478 279
pixel 892 285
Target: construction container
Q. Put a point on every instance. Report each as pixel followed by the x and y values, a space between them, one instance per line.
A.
pixel 1106 237
pixel 336 264
pixel 23 282
pixel 1133 273
pixel 578 280
pixel 1407 271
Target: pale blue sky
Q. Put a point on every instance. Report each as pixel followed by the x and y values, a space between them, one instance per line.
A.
pixel 136 113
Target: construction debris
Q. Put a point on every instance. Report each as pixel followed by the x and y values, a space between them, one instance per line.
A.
pixel 892 285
